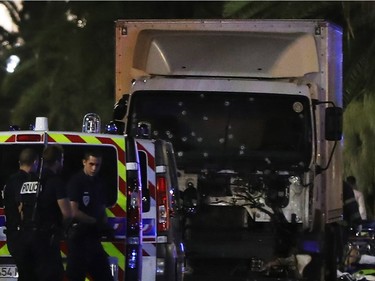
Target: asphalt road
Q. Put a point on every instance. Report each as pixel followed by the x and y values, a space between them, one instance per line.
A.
pixel 218 270
pixel 229 270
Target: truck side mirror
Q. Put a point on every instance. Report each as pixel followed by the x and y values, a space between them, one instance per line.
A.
pixel 121 106
pixel 333 123
pixel 117 126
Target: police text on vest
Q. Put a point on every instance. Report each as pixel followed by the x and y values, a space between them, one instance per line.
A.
pixel 29 187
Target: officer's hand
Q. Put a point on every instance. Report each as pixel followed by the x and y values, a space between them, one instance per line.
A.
pixel 78 230
pixel 106 230
pixel 71 230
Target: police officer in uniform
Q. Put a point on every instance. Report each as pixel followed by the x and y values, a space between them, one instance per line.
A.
pixel 43 208
pixel 87 198
pixel 350 224
pixel 25 177
pixel 53 215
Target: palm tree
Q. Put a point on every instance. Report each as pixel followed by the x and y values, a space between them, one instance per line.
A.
pixel 67 59
pixel 8 41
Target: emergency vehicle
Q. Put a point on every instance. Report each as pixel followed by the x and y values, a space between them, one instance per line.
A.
pixel 253 110
pixel 162 210
pixel 122 171
pixel 162 244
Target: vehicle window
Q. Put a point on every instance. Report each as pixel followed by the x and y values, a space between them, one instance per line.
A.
pixel 73 155
pixel 144 181
pixel 172 169
pixel 234 131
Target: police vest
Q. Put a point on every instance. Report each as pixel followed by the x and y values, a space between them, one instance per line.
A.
pixel 28 197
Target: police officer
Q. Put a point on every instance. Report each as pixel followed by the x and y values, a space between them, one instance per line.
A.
pixel 25 177
pixel 87 198
pixel 350 224
pixel 53 215
pixel 42 209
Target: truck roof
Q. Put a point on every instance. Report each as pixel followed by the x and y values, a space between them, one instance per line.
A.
pixel 219 48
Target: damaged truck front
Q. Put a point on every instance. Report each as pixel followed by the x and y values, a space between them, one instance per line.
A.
pixel 253 109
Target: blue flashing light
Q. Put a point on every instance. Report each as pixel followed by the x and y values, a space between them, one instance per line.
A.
pixel 133 259
pixel 311 246
pixel 111 128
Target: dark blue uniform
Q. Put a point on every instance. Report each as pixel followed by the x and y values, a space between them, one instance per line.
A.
pixel 33 229
pixel 352 219
pixel 351 208
pixel 85 252
pixel 15 240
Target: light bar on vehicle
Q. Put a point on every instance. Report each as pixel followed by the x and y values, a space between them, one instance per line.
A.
pixel 41 124
pixel 29 138
pixel 91 123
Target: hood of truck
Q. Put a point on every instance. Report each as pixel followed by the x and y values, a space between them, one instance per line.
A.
pixel 205 53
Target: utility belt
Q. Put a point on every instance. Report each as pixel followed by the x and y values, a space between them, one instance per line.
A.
pixel 81 231
pixel 47 229
pixel 78 231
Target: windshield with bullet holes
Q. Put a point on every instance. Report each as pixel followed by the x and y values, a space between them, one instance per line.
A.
pixel 216 131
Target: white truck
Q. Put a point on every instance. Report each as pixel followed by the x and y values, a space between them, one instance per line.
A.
pixel 253 109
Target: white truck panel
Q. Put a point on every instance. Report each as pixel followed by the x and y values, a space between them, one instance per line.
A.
pixel 195 53
pixel 257 48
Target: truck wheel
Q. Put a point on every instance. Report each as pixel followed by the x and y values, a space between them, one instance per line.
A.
pixel 317 269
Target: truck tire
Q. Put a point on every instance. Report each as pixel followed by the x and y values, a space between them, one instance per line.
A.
pixel 331 251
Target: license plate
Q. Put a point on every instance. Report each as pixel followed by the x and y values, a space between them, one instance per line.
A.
pixel 8 271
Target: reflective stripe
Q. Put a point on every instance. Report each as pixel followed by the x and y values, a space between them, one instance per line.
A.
pixel 161 169
pixel 121 170
pixel 149 218
pixel 5 138
pixel 149 249
pixel 113 251
pixel 4 249
pixel 349 200
pixel 91 139
pixel 132 166
pixel 61 138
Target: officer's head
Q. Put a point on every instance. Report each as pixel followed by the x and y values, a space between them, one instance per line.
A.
pixel 53 157
pixel 92 161
pixel 352 181
pixel 28 160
